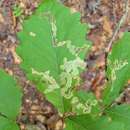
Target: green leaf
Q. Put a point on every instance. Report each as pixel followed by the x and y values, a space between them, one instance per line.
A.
pixel 51 25
pixel 86 122
pixel 118 69
pixel 10 96
pixel 6 124
pixel 90 102
pixel 36 47
pixel 56 98
pixel 17 10
pixel 121 114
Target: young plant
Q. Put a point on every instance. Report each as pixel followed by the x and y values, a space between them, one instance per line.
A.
pixel 53 47
pixel 17 10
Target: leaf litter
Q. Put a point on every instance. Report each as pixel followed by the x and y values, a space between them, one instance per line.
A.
pixel 102 15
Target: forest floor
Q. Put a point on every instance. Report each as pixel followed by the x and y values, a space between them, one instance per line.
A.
pixel 103 16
